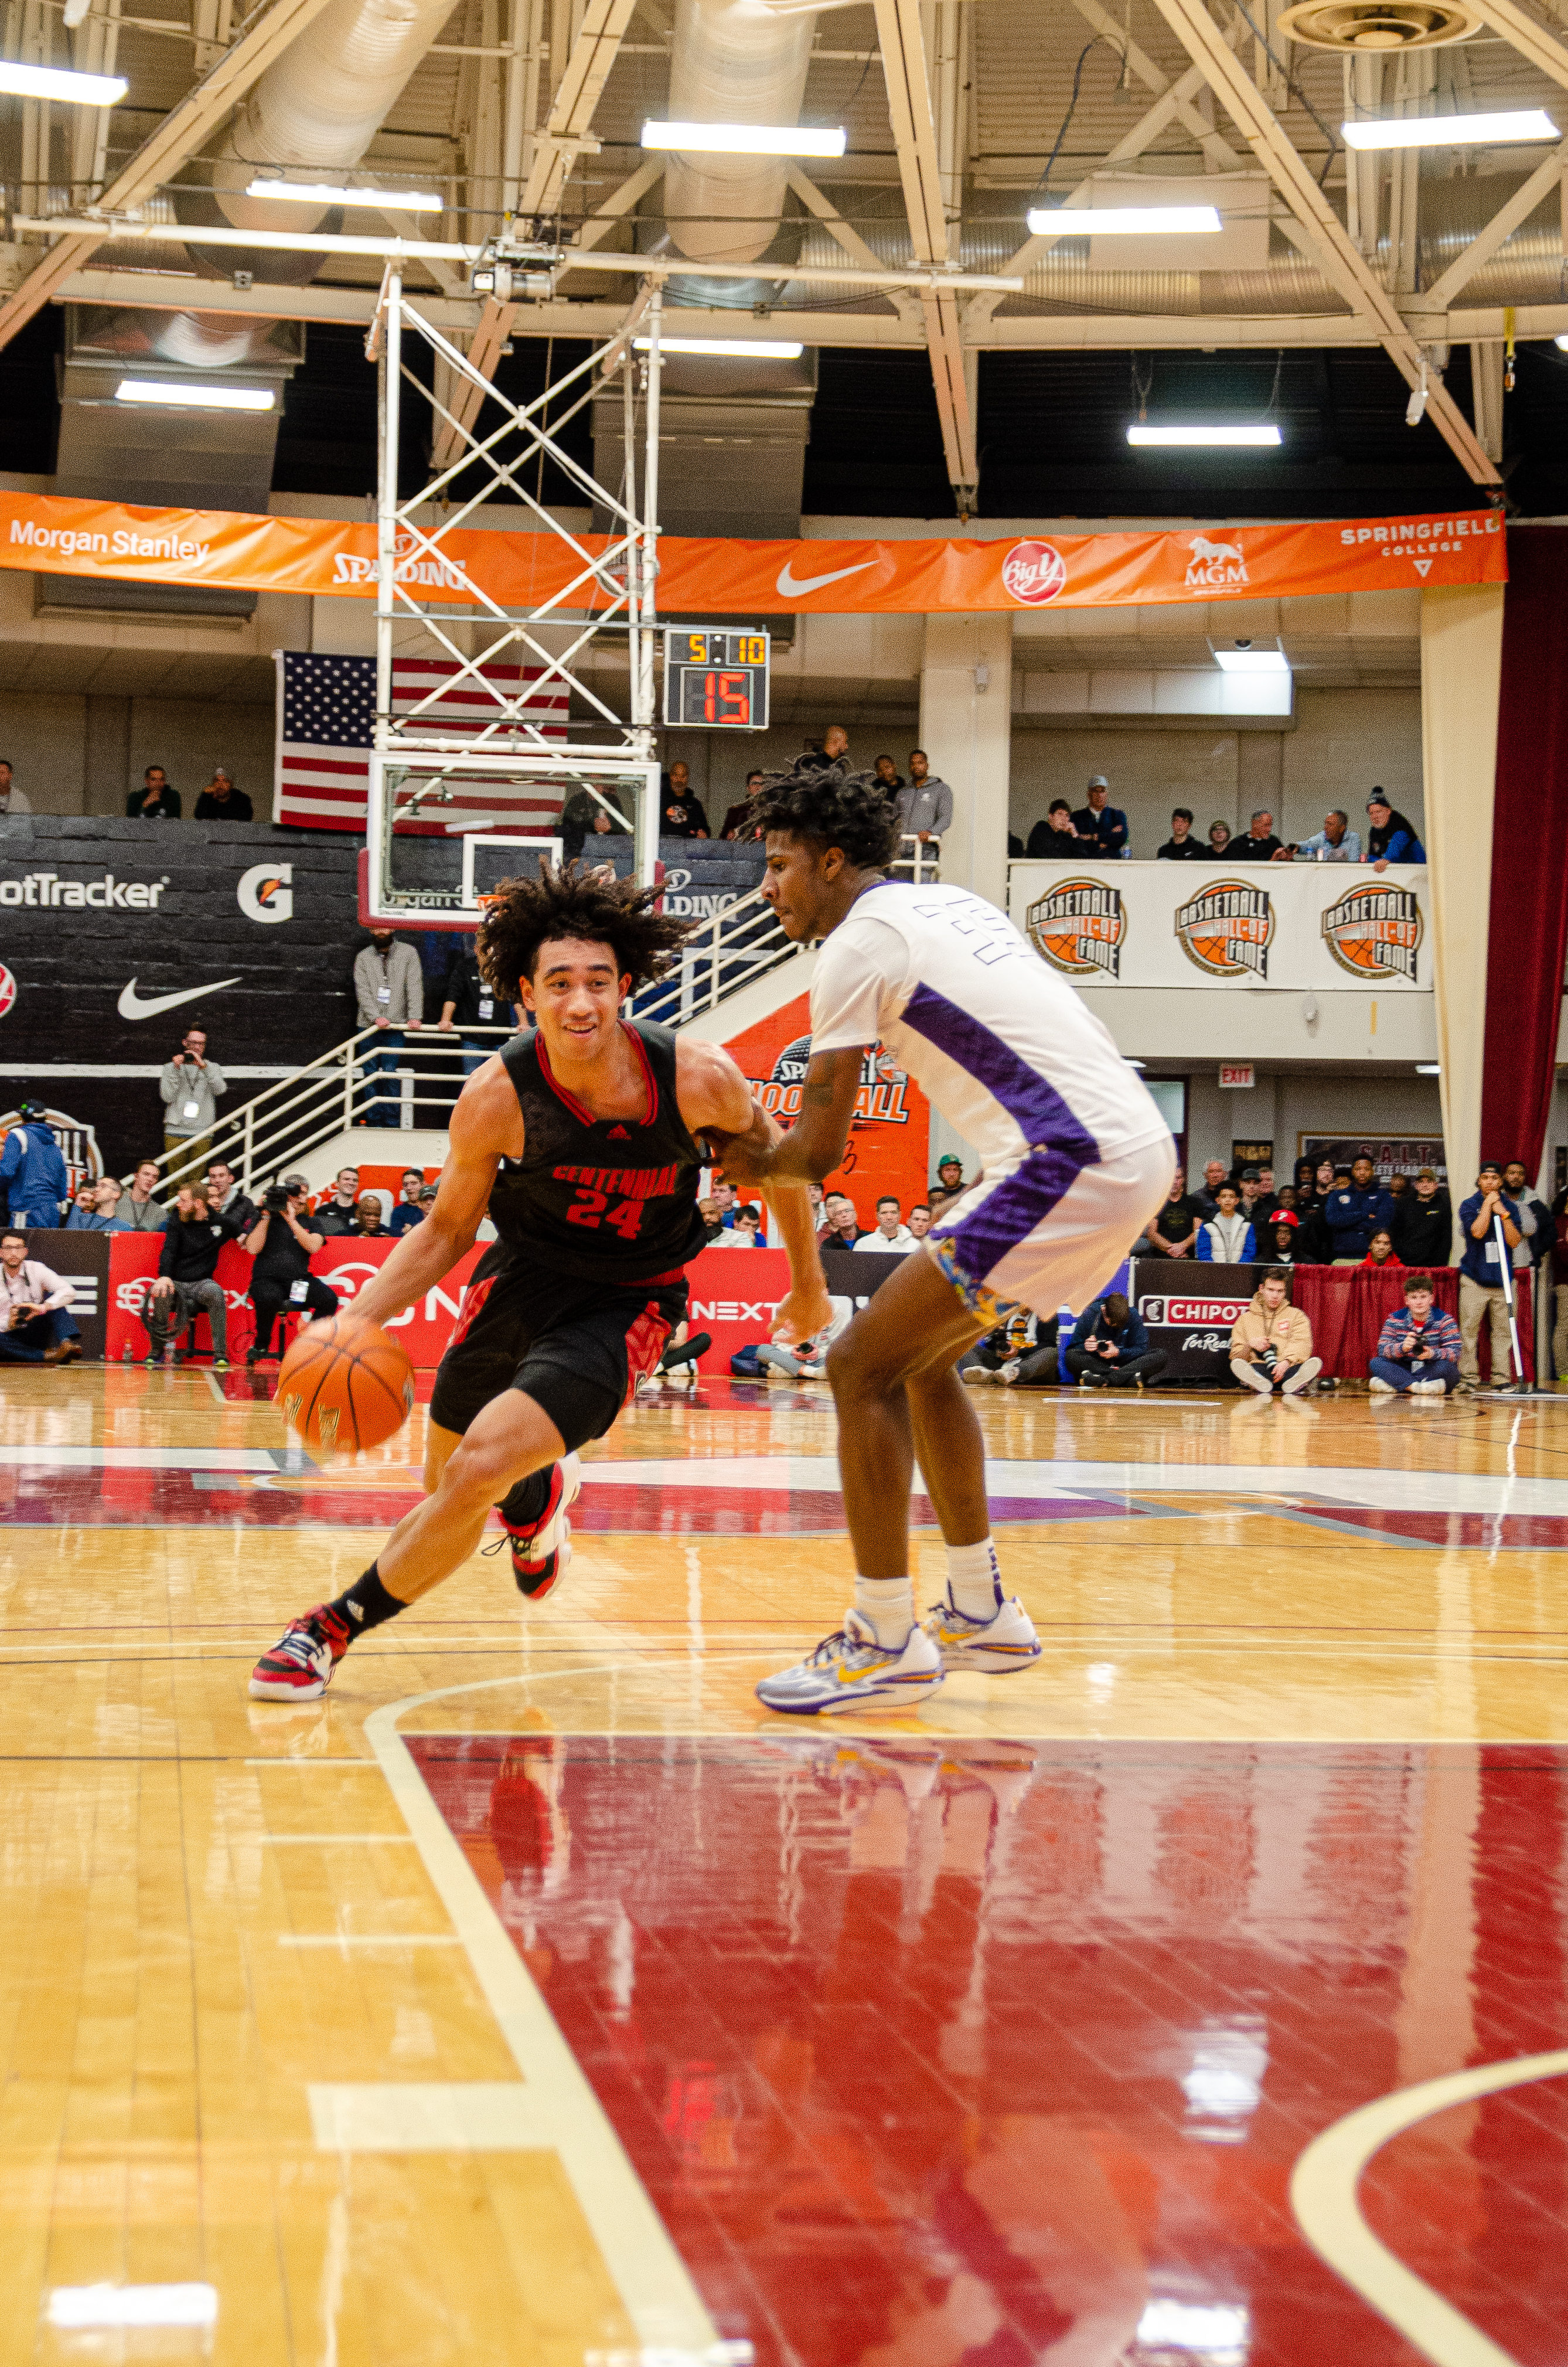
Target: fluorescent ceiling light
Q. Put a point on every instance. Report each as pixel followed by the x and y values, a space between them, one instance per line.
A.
pixel 744 139
pixel 1451 131
pixel 327 193
pixel 1198 435
pixel 194 398
pixel 752 349
pixel 1132 221
pixel 54 82
pixel 1252 660
pixel 81 2306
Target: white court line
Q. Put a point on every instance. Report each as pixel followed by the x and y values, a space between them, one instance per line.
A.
pixel 138 1458
pixel 1322 2196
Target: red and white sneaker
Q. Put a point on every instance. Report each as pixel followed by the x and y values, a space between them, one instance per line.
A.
pixel 300 1665
pixel 541 1552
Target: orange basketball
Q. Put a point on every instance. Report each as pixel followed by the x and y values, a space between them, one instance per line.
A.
pixel 343 1384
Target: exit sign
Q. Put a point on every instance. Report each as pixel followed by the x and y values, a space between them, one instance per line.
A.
pixel 1238 1074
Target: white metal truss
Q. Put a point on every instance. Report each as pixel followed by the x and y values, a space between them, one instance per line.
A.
pixel 607 598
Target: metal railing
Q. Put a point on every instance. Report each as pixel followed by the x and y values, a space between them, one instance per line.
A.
pixel 722 955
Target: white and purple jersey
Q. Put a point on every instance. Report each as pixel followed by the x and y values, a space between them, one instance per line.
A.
pixel 1008 1054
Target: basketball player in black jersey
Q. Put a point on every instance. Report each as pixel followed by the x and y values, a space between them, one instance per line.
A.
pixel 582 1142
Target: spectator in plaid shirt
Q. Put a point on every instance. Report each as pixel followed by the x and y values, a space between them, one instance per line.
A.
pixel 1418 1347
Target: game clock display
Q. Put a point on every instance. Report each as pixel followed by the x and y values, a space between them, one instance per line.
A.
pixel 716 679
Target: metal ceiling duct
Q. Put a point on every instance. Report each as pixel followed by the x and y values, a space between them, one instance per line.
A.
pixel 734 61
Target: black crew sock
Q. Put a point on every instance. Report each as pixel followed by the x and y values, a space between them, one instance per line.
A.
pixel 367 1603
pixel 522 1506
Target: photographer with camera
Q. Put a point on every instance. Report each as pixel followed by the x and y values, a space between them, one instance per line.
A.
pixel 283 1246
pixel 190 1085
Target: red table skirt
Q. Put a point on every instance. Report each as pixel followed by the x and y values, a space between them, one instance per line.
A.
pixel 1348 1305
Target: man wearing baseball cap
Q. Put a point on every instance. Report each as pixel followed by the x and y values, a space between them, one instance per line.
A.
pixel 1391 839
pixel 1101 826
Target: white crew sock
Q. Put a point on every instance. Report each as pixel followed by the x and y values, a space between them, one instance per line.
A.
pixel 889 1604
pixel 974 1582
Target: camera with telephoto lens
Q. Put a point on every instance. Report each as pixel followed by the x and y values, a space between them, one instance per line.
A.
pixel 274 1199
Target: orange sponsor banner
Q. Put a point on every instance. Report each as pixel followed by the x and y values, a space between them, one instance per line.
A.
pixel 55 535
pixel 889 1134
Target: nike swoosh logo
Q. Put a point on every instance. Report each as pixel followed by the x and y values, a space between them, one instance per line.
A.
pixel 132 1005
pixel 792 587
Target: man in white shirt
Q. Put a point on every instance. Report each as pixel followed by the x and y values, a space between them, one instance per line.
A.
pixel 1075 1160
pixel 12 799
pixel 36 1324
pixel 890 1232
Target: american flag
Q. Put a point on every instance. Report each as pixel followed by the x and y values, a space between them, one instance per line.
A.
pixel 327 714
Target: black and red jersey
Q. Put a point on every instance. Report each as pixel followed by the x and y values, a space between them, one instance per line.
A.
pixel 599 1197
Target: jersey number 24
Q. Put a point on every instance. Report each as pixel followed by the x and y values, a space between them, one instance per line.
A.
pixel 593 1208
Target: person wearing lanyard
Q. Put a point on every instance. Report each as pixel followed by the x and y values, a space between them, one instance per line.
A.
pixel 389 989
pixel 190 1085
pixel 470 1002
pixel 1487 1214
pixel 36 1324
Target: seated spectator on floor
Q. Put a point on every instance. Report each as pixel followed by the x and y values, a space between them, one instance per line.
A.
pixel 139 1211
pixel 368 1222
pixel 154 800
pixel 745 1233
pixel 1418 1348
pixel 1489 1225
pixel 1206 1199
pixel 843 1222
pixel 1174 1232
pixel 949 1175
pixel 712 1222
pixel 919 1221
pixel 36 1326
pixel 1355 1210
pixel 226 1198
pixel 282 1242
pixel 678 1363
pixel 1101 827
pixel 1020 1352
pixel 1218 838
pixel 1380 1250
pixel 890 1232
pixel 1109 1348
pixel 184 1286
pixel 1391 839
pixel 1271 1341
pixel 738 822
pixel 1055 839
pixel 220 801
pixel 410 1209
pixel 1424 1223
pixel 1181 846
pixel 1259 845
pixel 1335 843
pixel 335 1210
pixel 1227 1239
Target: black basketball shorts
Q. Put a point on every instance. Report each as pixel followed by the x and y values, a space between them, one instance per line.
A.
pixel 577 1348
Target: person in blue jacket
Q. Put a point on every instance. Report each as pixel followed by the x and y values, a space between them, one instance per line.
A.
pixel 1355 1211
pixel 1109 1348
pixel 32 1168
pixel 1391 839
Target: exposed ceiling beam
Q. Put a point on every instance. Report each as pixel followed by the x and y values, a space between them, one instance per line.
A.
pixel 1345 264
pixel 1214 144
pixel 843 235
pixel 903 43
pixel 1532 40
pixel 1542 184
pixel 166 149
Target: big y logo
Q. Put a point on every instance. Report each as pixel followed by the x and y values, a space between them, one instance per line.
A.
pixel 264 892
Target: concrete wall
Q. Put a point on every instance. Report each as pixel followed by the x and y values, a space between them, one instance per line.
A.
pixel 1279 1108
pixel 82 755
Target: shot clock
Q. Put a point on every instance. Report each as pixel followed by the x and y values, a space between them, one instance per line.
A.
pixel 716 678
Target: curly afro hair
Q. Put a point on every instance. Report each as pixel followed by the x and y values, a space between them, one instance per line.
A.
pixel 851 811
pixel 526 913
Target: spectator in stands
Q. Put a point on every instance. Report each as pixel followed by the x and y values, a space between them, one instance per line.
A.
pixel 98 1208
pixel 727 1200
pixel 334 1212
pixel 410 1209
pixel 1326 1175
pixel 1101 826
pixel 389 990
pixel 681 814
pixel 1391 839
pixel 738 822
pixel 1355 1210
pixel 1227 1239
pixel 1284 1235
pixel 1534 1217
pixel 1268 1197
pixel 582 816
pixel 949 1175
pixel 1207 1199
pixel 1218 837
pixel 1418 1348
pixel 470 1001
pixel 1271 1342
pixel 712 1224
pixel 844 1222
pixel 890 1232
pixel 1109 1347
pixel 831 756
pixel 226 1200
pixel 12 799
pixel 184 1286
pixel 1424 1223
pixel 191 1085
pixel 919 1221
pixel 1487 1215
pixel 1398 1186
pixel 1380 1250
pixel 368 1222
pixel 36 1326
pixel 888 778
pixel 1306 1187
pixel 1174 1232
pixel 1559 1285
pixel 1054 838
pixel 138 1212
pixel 282 1244
pixel 220 801
pixel 1254 1203
pixel 1259 845
pixel 1181 846
pixel 924 808
pixel 745 1233
pixel 33 1171
pixel 154 800
pixel 1335 843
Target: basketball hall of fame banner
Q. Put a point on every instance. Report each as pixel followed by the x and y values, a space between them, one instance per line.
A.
pixel 1329 926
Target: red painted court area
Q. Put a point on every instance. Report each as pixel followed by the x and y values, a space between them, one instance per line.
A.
pixel 952 2054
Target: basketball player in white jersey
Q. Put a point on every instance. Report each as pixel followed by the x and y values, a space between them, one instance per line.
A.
pixel 1075 1160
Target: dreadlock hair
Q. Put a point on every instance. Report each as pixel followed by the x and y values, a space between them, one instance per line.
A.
pixel 833 808
pixel 574 902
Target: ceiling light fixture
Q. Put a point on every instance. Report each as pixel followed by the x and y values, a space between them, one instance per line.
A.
pixel 1427 1068
pixel 1129 221
pixel 1267 434
pixel 751 349
pixel 1451 131
pixel 1251 660
pixel 325 193
pixel 54 82
pixel 744 139
pixel 194 398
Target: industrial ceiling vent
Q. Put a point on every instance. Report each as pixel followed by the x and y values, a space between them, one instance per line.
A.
pixel 1370 27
